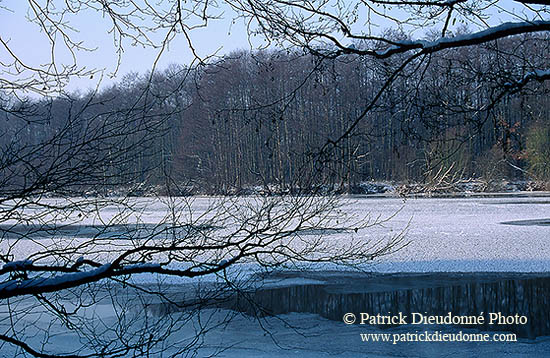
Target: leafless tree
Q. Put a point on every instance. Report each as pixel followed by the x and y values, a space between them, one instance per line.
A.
pixel 74 236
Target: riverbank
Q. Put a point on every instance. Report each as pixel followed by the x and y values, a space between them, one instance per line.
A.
pixel 435 188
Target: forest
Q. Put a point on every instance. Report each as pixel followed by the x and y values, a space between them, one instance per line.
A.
pixel 289 119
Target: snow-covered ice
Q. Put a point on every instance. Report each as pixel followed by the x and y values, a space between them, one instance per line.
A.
pixel 466 234
pixel 458 234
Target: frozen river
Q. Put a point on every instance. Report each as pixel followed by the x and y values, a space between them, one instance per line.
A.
pixel 502 234
pixel 509 234
pixel 467 234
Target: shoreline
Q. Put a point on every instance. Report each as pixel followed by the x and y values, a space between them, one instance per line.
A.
pixel 368 282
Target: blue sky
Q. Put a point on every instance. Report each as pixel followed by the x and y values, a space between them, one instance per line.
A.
pixel 220 35
pixel 32 46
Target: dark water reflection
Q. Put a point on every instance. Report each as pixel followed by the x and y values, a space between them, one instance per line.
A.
pixel 462 295
pixel 534 222
pixel 107 231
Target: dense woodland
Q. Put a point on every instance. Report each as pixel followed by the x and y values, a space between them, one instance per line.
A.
pixel 273 117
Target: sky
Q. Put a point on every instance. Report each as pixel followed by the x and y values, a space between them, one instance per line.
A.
pixel 220 37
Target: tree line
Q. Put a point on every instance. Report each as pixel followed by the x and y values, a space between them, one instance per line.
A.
pixel 289 119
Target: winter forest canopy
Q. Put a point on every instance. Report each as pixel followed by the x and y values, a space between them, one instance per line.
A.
pixel 334 92
pixel 264 117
